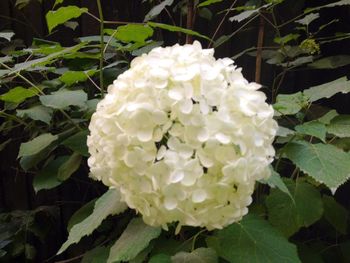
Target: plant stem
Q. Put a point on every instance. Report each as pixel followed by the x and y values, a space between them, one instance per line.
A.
pixel 190 8
pixel 102 47
pixel 259 50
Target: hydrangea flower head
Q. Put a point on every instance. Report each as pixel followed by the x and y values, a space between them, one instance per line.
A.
pixel 184 137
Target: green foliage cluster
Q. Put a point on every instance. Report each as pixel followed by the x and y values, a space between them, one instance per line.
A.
pixel 50 92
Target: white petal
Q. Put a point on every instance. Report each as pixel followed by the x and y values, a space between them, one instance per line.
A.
pixel 199 196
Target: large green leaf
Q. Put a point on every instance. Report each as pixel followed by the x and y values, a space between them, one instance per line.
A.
pixel 156 10
pixel 62 15
pixel 335 214
pixel 275 180
pixel 96 255
pixel 289 215
pixel 47 177
pixel 160 258
pixel 253 240
pixel 176 29
pixel 133 33
pixel 324 162
pixel 288 104
pixel 134 239
pixel 36 145
pixel 334 4
pixel 38 113
pixel 77 143
pixel 82 213
pixel 306 20
pixel 208 2
pixel 72 77
pixel 328 90
pixel 340 126
pixel 107 204
pixel 313 128
pixel 69 167
pixel 247 13
pixel 64 98
pixel 18 94
pixel 200 255
pixel 331 62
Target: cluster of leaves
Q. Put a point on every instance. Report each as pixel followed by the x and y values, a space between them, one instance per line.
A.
pixel 49 92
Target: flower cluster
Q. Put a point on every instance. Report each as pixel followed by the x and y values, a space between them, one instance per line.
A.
pixel 184 137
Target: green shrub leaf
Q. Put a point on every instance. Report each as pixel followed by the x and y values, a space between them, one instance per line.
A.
pixel 36 145
pixel 69 167
pixel 64 98
pixel 156 10
pixel 335 214
pixel 18 94
pixel 324 162
pixel 253 240
pixel 77 143
pixel 208 2
pixel 340 126
pixel 107 204
pixel 200 255
pixel 176 29
pixel 134 239
pixel 288 104
pixel 37 113
pixel 133 33
pixel 331 62
pixel 62 15
pixel 289 215
pixel 313 128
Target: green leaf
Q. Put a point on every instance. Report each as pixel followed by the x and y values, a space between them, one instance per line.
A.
pixel 81 214
pixel 156 10
pixel 313 128
pixel 275 180
pixel 208 2
pixel 107 204
pixel 77 143
pixel 36 145
pixel 289 104
pixel 326 118
pixel 324 162
pixel 72 77
pixel 133 33
pixel 62 15
pixel 253 240
pixel 30 161
pixel 340 126
pixel 329 89
pixel 334 4
pixel 64 98
pixel 96 255
pixel 69 167
pixel 289 215
pixel 7 35
pixel 160 258
pixel 284 132
pixel 47 177
pixel 37 113
pixel 331 62
pixel 200 255
pixel 57 2
pixel 176 29
pixel 247 14
pixel 335 214
pixel 205 13
pixel 18 94
pixel 285 39
pixel 306 20
pixel 134 239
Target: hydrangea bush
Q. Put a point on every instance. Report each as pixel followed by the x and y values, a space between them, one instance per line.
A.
pixel 184 137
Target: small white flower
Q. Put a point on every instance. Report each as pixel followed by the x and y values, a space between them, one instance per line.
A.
pixel 184 137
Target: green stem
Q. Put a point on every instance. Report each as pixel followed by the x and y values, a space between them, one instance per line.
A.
pixel 100 12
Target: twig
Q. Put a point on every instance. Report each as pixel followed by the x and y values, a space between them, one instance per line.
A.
pixel 259 50
pixel 190 7
pixel 220 24
pixel 100 12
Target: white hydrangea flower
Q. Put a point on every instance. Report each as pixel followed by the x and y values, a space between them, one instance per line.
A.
pixel 184 137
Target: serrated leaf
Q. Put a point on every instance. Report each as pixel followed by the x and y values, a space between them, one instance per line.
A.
pixel 36 145
pixel 160 258
pixel 47 177
pixel 284 132
pixel 77 143
pixel 134 239
pixel 326 118
pixel 64 98
pixel 253 240
pixel 288 104
pixel 331 62
pixel 37 113
pixel 18 94
pixel 313 128
pixel 335 214
pixel 275 180
pixel 96 255
pixel 62 15
pixel 306 20
pixel 176 29
pixel 30 161
pixel 108 204
pixel 289 215
pixel 340 126
pixel 69 167
pixel 208 2
pixel 328 90
pixel 156 10
pixel 72 77
pixel 82 213
pixel 248 13
pixel 200 255
pixel 133 33
pixel 324 162
pixel 334 4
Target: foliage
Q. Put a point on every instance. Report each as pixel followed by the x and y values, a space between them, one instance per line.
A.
pixel 48 93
